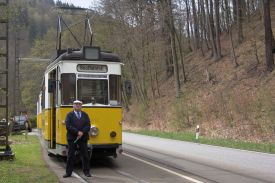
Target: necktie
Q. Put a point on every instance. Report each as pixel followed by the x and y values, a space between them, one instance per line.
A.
pixel 78 114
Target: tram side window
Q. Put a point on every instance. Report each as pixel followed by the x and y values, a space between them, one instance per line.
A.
pixel 68 85
pixel 43 98
pixel 115 89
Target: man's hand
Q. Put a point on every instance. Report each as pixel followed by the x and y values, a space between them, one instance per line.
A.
pixel 79 134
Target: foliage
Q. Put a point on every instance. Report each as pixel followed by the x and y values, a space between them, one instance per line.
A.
pixel 31 84
pixel 45 46
pixel 42 37
pixel 33 122
pixel 19 17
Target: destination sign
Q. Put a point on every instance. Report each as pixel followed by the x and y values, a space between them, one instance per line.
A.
pixel 92 68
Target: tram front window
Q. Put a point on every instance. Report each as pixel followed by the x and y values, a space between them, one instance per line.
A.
pixel 93 91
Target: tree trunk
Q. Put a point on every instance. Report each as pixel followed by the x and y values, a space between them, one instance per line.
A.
pixel 201 26
pixel 217 17
pixel 173 46
pixel 203 22
pixel 233 49
pixel 234 3
pixel 144 68
pixel 268 36
pixel 211 27
pixel 230 33
pixel 166 38
pixel 248 10
pixel 195 23
pixel 227 15
pixel 222 19
pixel 188 23
pixel 181 56
pixel 240 21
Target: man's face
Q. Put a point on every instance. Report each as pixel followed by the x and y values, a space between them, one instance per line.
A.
pixel 77 106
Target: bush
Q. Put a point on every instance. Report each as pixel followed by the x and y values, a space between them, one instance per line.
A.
pixel 187 113
pixel 33 122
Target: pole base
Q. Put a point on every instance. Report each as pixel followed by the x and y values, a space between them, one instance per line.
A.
pixel 6 155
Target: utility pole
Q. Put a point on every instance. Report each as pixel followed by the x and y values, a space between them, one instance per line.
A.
pixel 16 93
pixel 5 153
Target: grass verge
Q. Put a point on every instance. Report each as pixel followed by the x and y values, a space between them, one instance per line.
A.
pixel 190 137
pixel 28 165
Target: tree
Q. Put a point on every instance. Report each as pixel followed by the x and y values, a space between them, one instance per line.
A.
pixel 230 32
pixel 217 18
pixel 196 29
pixel 166 38
pixel 168 7
pixel 268 36
pixel 188 23
pixel 234 3
pixel 210 21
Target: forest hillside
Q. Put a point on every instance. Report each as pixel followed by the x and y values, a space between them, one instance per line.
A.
pixel 225 100
pixel 190 62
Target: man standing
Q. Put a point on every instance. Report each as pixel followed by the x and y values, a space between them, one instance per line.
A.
pixel 78 127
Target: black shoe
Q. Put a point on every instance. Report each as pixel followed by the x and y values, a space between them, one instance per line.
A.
pixel 66 175
pixel 88 175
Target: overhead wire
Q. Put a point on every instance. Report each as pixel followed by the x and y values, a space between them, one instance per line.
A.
pixel 59 27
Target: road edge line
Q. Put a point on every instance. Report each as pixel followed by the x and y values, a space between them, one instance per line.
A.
pixel 162 168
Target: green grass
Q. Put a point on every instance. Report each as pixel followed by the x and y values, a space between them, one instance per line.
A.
pixel 28 165
pixel 190 137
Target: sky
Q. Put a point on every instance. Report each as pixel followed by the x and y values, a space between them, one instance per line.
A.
pixel 82 3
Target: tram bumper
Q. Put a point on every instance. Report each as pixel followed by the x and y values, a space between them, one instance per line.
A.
pixel 100 150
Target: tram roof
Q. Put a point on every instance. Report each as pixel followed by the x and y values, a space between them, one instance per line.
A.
pixel 79 54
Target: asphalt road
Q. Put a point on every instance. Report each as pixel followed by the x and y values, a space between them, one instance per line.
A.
pixel 132 167
pixel 214 163
pixel 127 168
pixel 146 163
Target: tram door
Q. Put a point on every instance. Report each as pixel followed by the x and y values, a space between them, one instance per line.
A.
pixel 52 90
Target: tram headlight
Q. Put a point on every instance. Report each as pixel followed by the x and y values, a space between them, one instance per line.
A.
pixel 94 131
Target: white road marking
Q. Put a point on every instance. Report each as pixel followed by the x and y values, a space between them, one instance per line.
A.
pixel 162 168
pixel 79 178
pixel 131 176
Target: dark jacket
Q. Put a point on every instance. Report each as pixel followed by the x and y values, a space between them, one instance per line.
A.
pixel 73 125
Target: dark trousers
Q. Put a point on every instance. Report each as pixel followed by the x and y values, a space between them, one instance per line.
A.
pixel 71 156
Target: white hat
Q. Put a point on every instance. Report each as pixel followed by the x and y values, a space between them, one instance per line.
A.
pixel 77 102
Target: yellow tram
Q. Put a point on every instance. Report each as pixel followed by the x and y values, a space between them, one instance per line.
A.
pixel 89 75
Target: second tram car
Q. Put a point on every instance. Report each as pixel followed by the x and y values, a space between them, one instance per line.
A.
pixel 89 75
